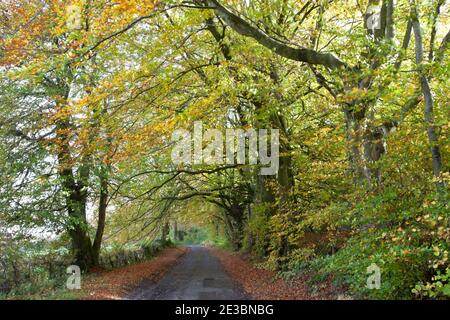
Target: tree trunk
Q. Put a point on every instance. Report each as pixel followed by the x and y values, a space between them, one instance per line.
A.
pixel 165 232
pixel 103 203
pixel 176 235
pixel 76 198
pixel 428 97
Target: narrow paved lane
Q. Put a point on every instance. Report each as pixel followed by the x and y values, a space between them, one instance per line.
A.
pixel 198 276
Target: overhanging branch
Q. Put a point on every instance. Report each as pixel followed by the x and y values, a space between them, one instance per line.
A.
pixel 300 54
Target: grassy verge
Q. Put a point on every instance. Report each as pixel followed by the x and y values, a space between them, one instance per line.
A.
pixel 104 284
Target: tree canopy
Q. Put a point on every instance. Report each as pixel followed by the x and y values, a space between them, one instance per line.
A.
pixel 92 91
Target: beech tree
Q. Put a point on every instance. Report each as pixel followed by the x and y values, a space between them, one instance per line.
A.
pixel 92 91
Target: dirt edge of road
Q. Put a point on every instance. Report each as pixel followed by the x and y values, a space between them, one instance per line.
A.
pixel 116 284
pixel 263 284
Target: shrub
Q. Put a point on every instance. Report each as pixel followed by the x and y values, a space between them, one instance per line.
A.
pixel 438 288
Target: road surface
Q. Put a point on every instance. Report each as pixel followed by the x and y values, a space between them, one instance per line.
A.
pixel 197 276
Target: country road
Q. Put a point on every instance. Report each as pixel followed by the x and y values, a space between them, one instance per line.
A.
pixel 197 276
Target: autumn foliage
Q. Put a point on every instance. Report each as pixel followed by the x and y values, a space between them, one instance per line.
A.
pixel 91 92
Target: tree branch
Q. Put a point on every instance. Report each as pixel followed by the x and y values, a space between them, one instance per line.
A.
pixel 297 54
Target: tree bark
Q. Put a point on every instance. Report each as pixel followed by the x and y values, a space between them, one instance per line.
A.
pixel 103 203
pixel 165 232
pixel 428 97
pixel 293 53
pixel 76 198
pixel 176 235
